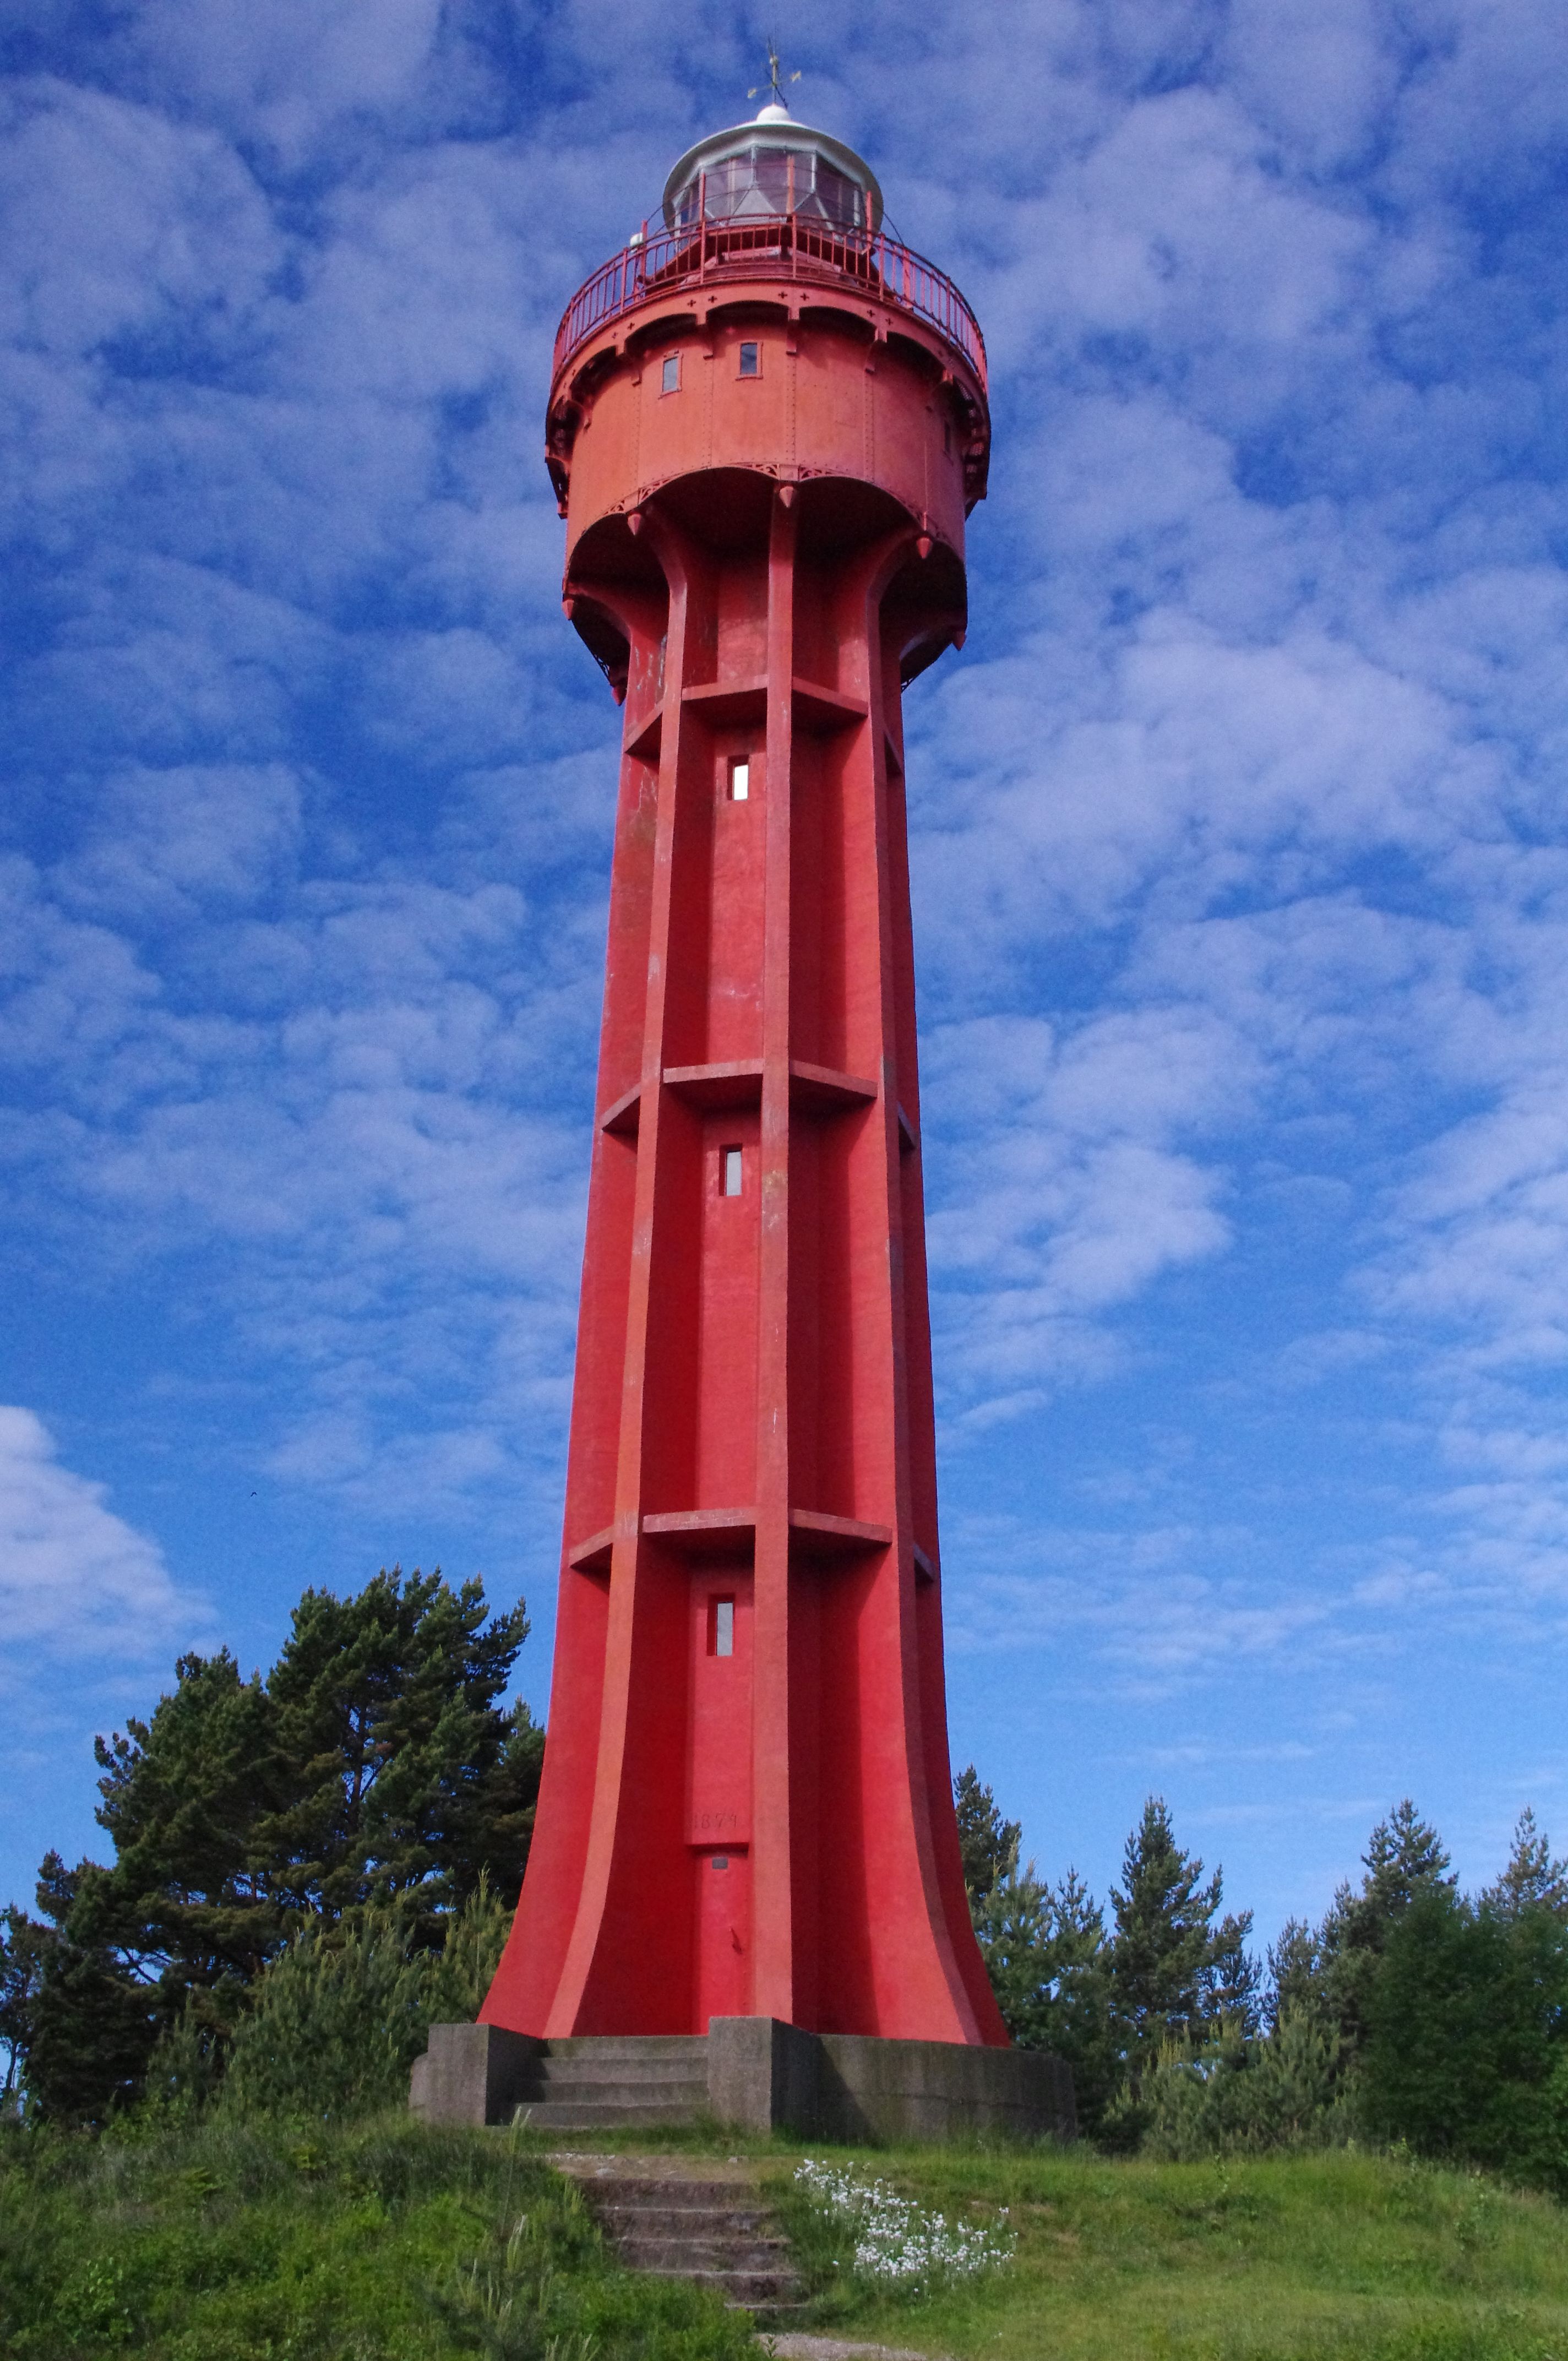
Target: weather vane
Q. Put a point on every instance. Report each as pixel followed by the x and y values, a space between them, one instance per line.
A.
pixel 773 83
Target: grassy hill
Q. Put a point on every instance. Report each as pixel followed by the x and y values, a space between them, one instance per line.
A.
pixel 250 2241
pixel 1274 2260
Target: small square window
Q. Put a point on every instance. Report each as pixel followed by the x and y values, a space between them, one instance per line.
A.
pixel 721 1627
pixel 750 360
pixel 729 1169
pixel 740 779
pixel 671 382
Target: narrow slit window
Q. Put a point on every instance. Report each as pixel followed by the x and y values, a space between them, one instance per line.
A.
pixel 730 1171
pixel 739 779
pixel 948 435
pixel 721 1628
pixel 750 360
pixel 671 382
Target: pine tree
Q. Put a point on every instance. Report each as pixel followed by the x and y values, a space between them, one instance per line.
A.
pixel 90 2026
pixel 1232 1977
pixel 191 1894
pixel 1465 2046
pixel 185 1912
pixel 1405 1857
pixel 988 1842
pixel 1297 1984
pixel 21 1972
pixel 1162 1954
pixel 376 1766
pixel 395 1756
pixel 1081 2025
pixel 1534 1878
pixel 1405 1862
pixel 1046 1953
pixel 1013 1925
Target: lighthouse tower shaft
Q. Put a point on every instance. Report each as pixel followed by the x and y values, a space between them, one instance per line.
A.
pixel 765 455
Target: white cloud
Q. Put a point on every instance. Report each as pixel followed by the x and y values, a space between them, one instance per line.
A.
pixel 290 72
pixel 77 1584
pixel 1142 1602
pixel 212 833
pixel 1316 72
pixel 1238 906
pixel 1059 1190
pixel 121 222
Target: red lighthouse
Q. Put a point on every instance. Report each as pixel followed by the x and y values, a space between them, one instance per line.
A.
pixel 767 424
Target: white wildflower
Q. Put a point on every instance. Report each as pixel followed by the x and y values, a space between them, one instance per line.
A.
pixel 898 2242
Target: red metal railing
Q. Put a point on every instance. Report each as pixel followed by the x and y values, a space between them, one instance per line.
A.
pixel 778 246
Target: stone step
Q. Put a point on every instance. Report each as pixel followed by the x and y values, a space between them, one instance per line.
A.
pixel 601 2115
pixel 768 2292
pixel 715 2232
pixel 649 2070
pixel 677 2106
pixel 635 2095
pixel 759 2245
pixel 708 2251
pixel 692 2045
pixel 607 2109
pixel 597 2081
pixel 683 2221
pixel 687 2196
pixel 592 2093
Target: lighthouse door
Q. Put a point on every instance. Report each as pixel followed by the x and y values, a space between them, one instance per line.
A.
pixel 719 1806
pixel 723 1936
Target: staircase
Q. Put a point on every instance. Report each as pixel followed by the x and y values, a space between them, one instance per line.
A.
pixel 620 2081
pixel 684 2222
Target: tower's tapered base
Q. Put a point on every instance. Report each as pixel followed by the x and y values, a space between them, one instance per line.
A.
pixel 746 1802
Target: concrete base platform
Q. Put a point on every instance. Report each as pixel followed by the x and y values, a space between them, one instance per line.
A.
pixel 752 2072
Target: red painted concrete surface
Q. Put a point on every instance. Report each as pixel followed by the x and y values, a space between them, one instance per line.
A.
pixel 746 1804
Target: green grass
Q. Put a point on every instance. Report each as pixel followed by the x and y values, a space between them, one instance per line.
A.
pixel 381 2242
pixel 389 2241
pixel 1356 2257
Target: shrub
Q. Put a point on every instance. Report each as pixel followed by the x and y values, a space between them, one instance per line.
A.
pixel 1232 2095
pixel 336 2020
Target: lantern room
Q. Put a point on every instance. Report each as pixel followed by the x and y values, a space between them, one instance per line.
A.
pixel 773 166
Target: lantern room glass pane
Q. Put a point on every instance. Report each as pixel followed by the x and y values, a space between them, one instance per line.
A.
pixel 770 172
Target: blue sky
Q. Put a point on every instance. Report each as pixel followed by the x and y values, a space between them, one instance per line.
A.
pixel 1242 900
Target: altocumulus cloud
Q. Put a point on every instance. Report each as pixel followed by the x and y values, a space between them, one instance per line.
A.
pixel 1242 904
